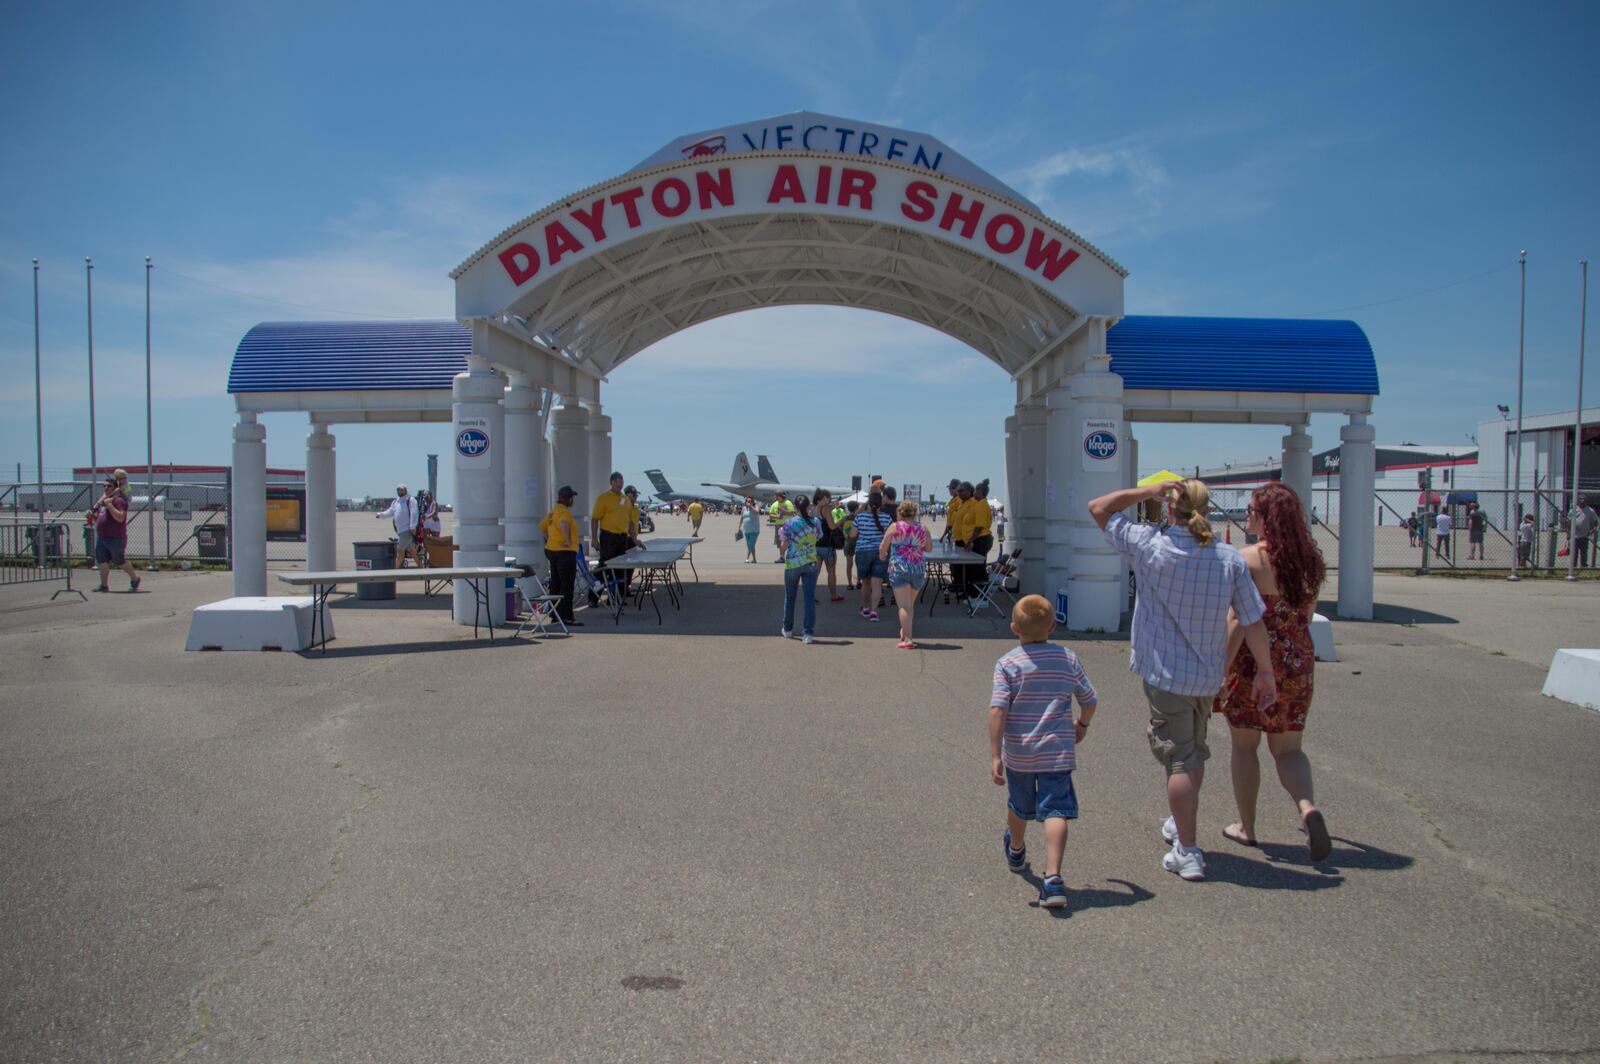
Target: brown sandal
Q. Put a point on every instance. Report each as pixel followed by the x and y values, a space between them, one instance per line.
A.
pixel 1317 840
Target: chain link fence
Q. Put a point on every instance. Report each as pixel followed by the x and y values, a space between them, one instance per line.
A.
pixel 182 523
pixel 1482 533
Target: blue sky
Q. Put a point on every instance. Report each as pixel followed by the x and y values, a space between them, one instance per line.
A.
pixel 310 161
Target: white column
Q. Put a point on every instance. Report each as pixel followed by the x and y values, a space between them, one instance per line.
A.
pixel 479 451
pixel 546 492
pixel 1357 457
pixel 1087 459
pixel 1297 465
pixel 1013 473
pixel 523 540
pixel 599 452
pixel 1028 515
pixel 569 444
pixel 1131 471
pixel 248 520
pixel 322 519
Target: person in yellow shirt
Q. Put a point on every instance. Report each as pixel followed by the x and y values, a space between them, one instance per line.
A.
pixel 963 517
pixel 561 538
pixel 978 516
pixel 779 512
pixel 950 509
pixel 633 514
pixel 696 512
pixel 611 524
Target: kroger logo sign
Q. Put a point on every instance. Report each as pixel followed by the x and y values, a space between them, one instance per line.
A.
pixel 471 443
pixel 1100 445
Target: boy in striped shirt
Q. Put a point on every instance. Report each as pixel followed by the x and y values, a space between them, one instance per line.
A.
pixel 1033 739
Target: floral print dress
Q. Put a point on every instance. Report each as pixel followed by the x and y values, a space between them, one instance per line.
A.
pixel 1293 661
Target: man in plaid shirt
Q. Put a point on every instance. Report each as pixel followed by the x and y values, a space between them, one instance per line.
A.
pixel 1187 583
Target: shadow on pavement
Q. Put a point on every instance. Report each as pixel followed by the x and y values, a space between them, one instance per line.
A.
pixel 1224 867
pixel 1093 898
pixel 1352 855
pixel 1390 614
pixel 335 651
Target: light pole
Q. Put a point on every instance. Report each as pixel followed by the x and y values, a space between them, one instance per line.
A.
pixel 1516 508
pixel 38 423
pixel 1577 426
pixel 88 280
pixel 149 430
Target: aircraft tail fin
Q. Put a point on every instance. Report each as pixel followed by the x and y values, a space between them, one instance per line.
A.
pixel 659 480
pixel 764 468
pixel 742 473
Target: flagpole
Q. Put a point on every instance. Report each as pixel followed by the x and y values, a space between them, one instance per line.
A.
pixel 1577 433
pixel 1516 487
pixel 88 278
pixel 38 423
pixel 149 430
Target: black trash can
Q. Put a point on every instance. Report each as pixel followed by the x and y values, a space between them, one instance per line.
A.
pixel 375 554
pixel 213 542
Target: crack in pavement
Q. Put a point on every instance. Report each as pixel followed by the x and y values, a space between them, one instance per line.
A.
pixel 368 792
pixel 1532 906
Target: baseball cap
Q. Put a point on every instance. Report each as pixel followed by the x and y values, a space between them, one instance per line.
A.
pixel 566 493
pixel 630 490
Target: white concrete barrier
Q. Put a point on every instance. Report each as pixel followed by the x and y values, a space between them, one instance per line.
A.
pixel 255 623
pixel 1574 677
pixel 1322 638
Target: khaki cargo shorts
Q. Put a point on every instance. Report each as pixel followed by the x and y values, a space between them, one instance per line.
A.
pixel 1178 729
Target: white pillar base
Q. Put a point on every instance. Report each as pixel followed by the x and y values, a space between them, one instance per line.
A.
pixel 1574 677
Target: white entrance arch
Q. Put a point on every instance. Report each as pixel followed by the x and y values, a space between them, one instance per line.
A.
pixel 804 209
pixel 704 229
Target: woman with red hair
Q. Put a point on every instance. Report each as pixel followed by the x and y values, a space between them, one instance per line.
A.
pixel 1288 571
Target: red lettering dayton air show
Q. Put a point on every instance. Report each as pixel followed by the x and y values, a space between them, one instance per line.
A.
pixel 967 218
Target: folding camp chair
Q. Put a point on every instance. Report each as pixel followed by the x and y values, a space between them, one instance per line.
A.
pixel 540 606
pixel 597 587
pixel 993 588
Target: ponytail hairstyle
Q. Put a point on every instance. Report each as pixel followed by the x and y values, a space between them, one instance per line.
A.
pixel 875 507
pixel 802 506
pixel 1191 501
pixel 908 512
pixel 1293 554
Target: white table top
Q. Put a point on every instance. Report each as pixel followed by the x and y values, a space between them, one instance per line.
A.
pixel 641 559
pixel 954 556
pixel 374 576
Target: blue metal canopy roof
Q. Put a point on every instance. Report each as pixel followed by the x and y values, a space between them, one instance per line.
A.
pixel 1157 353
pixel 336 356
pixel 1242 355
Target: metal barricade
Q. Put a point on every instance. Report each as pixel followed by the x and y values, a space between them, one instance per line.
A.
pixel 33 553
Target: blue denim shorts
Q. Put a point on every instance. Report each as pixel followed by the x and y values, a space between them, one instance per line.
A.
pixel 903 575
pixel 824 554
pixel 869 565
pixel 1041 795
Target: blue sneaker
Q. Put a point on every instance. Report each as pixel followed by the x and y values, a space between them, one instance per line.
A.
pixel 1053 894
pixel 1016 860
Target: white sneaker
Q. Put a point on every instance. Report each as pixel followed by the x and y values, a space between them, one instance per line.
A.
pixel 1169 831
pixel 786 633
pixel 808 640
pixel 1189 864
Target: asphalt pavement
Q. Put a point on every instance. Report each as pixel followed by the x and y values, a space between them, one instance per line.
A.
pixel 700 841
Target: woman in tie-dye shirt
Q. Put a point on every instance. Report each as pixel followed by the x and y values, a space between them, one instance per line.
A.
pixel 798 538
pixel 905 547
